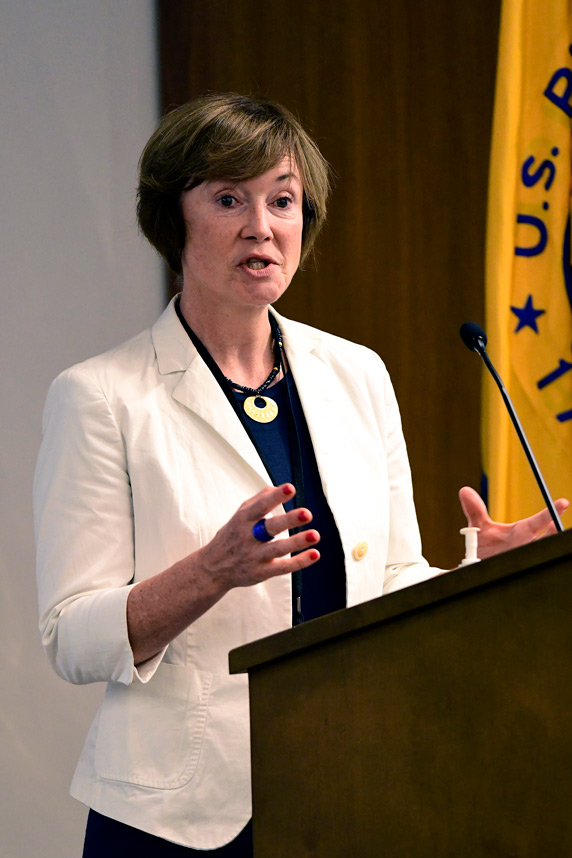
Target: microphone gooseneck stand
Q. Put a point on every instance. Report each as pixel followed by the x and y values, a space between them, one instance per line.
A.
pixel 476 340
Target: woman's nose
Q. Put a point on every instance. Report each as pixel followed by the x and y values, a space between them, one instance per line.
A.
pixel 257 223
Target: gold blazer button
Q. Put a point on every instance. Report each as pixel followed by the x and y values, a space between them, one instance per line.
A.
pixel 359 551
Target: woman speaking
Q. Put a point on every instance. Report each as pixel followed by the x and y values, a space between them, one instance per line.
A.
pixel 216 479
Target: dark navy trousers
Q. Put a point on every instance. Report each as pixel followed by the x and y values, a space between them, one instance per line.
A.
pixel 112 839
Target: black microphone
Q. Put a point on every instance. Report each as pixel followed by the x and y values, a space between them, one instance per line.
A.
pixel 476 340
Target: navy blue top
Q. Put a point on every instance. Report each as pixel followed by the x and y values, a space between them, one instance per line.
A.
pixel 323 583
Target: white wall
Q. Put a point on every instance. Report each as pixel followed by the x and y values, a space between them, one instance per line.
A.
pixel 78 99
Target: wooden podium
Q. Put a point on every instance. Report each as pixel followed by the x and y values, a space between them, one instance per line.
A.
pixel 436 721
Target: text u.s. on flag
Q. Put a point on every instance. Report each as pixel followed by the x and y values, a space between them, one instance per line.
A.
pixel 529 272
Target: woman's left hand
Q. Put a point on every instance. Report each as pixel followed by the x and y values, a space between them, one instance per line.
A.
pixel 495 537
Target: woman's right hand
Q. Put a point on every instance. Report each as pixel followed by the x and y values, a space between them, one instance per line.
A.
pixel 161 607
pixel 235 558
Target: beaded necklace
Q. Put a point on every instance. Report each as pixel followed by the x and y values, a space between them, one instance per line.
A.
pixel 262 409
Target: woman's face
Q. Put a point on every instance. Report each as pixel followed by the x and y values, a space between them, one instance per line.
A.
pixel 243 240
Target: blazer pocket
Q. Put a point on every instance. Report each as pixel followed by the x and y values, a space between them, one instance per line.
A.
pixel 151 734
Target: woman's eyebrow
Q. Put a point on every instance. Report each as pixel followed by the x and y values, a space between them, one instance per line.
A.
pixel 287 176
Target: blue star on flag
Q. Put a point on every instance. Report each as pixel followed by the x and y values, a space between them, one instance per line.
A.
pixel 527 316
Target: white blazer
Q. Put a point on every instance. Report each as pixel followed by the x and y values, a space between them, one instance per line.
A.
pixel 142 460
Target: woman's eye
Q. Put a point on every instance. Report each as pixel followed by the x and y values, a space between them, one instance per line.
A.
pixel 283 202
pixel 227 200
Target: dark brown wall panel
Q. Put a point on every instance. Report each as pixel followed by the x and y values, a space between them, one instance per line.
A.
pixel 399 95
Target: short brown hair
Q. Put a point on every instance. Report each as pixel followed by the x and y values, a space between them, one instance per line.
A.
pixel 223 136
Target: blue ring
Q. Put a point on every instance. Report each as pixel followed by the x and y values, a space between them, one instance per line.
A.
pixel 259 531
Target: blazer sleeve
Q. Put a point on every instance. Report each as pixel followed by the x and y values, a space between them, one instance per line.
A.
pixel 83 519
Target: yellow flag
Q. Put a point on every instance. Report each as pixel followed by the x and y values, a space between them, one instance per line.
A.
pixel 528 270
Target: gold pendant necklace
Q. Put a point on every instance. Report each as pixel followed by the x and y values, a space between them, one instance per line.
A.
pixel 259 408
pixel 262 409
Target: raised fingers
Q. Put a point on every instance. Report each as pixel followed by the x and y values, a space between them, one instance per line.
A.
pixel 267 500
pixel 258 512
pixel 268 548
pixel 292 544
pixel 283 562
pixel 276 524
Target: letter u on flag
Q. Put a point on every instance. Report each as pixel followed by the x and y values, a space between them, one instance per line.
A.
pixel 528 267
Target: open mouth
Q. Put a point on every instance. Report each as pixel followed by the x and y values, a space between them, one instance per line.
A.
pixel 257 264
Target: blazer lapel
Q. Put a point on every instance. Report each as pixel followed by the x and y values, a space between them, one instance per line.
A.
pixel 199 391
pixel 195 387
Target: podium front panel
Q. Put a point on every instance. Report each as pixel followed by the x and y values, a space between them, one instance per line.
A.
pixel 443 731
